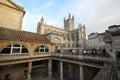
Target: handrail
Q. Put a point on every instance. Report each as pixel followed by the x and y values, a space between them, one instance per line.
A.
pixel 21 56
pixel 72 56
pixel 80 56
pixel 13 55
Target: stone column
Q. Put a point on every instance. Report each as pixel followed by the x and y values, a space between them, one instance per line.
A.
pixel 29 71
pixel 61 70
pixel 70 71
pixel 50 69
pixel 81 73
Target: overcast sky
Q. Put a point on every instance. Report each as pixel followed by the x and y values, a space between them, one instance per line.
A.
pixel 97 15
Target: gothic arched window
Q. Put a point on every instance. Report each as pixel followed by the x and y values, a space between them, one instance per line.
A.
pixel 68 37
pixel 73 36
pixel 13 49
pixel 77 36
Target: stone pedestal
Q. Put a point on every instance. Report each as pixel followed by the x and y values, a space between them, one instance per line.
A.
pixel 70 71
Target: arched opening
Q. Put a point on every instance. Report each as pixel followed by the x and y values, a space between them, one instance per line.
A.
pixel 41 49
pixel 13 49
pixel 72 36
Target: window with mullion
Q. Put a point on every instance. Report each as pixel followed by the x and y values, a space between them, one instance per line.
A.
pixel 41 49
pixel 13 49
pixel 16 50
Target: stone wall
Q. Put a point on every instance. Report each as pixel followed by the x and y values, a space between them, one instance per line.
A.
pixel 104 73
pixel 30 45
pixel 10 17
pixel 90 72
pixel 15 72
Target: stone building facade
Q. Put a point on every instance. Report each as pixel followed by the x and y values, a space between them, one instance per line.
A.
pixel 95 40
pixel 16 46
pixel 67 38
pixel 112 41
pixel 11 15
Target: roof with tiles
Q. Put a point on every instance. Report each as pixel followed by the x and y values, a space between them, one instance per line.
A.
pixel 10 34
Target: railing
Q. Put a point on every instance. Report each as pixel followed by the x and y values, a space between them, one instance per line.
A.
pixel 22 56
pixel 70 56
pixel 41 54
pixel 83 57
pixel 13 55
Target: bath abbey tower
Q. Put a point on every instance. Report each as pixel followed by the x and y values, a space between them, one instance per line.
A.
pixel 69 23
pixel 65 39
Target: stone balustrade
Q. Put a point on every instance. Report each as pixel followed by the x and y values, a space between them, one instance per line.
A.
pixel 41 54
pixel 4 57
pixel 13 55
pixel 83 57
pixel 70 56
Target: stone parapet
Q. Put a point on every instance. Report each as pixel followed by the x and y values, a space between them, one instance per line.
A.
pixel 108 72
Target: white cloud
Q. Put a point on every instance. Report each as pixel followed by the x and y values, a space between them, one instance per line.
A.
pixel 97 15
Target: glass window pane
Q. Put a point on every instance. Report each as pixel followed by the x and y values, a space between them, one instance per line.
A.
pixel 41 46
pixel 8 46
pixel 41 50
pixel 24 50
pixel 16 50
pixel 16 45
pixel 6 51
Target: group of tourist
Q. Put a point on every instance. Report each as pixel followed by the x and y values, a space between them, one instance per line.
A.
pixel 94 51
